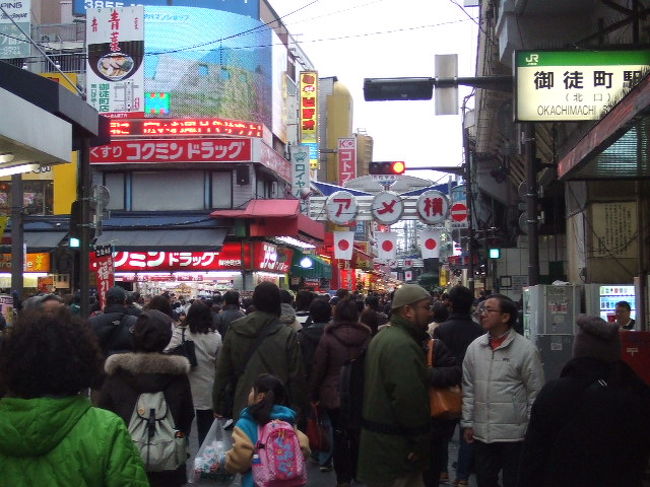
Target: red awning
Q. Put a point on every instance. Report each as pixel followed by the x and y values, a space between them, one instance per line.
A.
pixel 262 209
pixel 277 218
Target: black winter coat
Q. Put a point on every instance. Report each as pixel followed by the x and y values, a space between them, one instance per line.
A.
pixel 446 372
pixel 228 314
pixel 112 328
pixel 589 428
pixel 309 337
pixel 130 374
pixel 457 333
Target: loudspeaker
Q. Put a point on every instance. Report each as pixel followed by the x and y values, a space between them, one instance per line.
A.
pixel 243 176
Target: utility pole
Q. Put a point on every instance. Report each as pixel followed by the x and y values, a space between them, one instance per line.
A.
pixel 83 195
pixel 17 237
pixel 530 152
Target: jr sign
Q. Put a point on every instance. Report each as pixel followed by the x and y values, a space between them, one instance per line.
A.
pixel 574 85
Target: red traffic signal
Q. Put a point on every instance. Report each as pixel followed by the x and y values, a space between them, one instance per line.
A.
pixel 387 167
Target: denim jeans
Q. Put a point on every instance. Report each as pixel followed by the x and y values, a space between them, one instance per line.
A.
pixel 465 457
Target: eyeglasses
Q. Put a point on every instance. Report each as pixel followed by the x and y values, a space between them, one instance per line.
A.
pixel 488 310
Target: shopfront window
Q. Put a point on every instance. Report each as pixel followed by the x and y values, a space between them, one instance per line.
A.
pixel 167 190
pixel 115 182
pixel 38 197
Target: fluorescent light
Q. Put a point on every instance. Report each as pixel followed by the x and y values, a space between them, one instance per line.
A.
pixel 22 168
pixel 306 263
pixel 269 274
pixel 295 242
pixel 6 157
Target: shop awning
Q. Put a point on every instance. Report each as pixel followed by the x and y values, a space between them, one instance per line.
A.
pixel 43 240
pixel 177 240
pixel 319 269
pixel 616 146
pixel 262 209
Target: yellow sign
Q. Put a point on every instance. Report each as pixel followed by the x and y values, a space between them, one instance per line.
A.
pixel 59 78
pixel 309 107
pixel 36 262
pixel 3 225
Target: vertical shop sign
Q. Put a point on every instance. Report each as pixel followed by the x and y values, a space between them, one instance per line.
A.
pixel 115 70
pixel 347 153
pixel 104 266
pixel 13 43
pixel 300 176
pixel 309 114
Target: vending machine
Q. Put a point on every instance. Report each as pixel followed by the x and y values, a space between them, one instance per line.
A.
pixel 550 314
pixel 601 299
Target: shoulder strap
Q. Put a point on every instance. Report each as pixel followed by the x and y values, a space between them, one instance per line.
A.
pixel 261 336
pixel 431 355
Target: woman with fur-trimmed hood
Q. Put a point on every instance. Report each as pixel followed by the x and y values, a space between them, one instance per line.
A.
pixel 149 370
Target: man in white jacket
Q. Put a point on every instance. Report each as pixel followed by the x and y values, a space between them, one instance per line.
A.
pixel 502 375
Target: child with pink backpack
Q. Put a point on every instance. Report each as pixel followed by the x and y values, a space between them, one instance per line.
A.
pixel 268 450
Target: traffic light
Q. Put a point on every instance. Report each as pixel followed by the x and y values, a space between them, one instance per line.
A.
pixel 387 167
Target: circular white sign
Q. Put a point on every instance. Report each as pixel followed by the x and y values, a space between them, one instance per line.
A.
pixel 387 208
pixel 433 207
pixel 341 207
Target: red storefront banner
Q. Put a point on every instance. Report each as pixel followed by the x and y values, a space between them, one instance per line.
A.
pixel 103 266
pixel 264 256
pixel 176 150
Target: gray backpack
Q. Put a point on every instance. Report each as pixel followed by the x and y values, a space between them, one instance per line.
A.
pixel 152 428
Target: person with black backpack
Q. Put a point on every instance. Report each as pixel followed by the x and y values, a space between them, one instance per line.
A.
pixel 151 392
pixel 344 340
pixel 112 327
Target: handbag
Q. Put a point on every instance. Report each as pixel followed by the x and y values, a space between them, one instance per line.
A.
pixel 186 348
pixel 445 402
pixel 317 430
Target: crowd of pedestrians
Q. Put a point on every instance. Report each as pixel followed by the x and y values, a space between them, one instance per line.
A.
pixel 72 391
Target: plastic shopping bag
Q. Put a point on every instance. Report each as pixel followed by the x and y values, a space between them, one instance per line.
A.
pixel 210 460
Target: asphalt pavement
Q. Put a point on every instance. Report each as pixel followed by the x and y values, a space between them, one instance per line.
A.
pixel 328 479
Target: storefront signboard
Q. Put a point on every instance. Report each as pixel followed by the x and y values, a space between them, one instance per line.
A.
pixel 269 257
pixel 115 67
pixel 268 157
pixel 151 151
pixel 13 43
pixel 300 177
pixel 347 155
pixel 175 127
pixel 574 85
pixel 35 262
pixel 309 112
pixel 229 258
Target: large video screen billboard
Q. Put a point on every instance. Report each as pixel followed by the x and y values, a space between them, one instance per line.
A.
pixel 201 61
pixel 250 8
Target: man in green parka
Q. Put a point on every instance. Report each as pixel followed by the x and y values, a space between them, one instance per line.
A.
pixel 394 448
pixel 258 344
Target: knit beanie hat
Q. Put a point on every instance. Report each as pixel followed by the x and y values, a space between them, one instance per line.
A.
pixel 597 339
pixel 152 332
pixel 409 294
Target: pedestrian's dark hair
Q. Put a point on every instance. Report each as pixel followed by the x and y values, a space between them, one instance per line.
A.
pixel 346 311
pixel 231 298
pixel 161 303
pixel 624 304
pixel 461 299
pixel 266 298
pixel 507 305
pixel 49 354
pixel 274 393
pixel 440 312
pixel 304 299
pixel 372 302
pixel 286 297
pixel 320 311
pixel 342 293
pixel 199 318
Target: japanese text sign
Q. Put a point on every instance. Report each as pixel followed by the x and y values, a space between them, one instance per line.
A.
pixel 300 179
pixel 574 85
pixel 177 150
pixel 103 265
pixel 347 154
pixel 309 110
pixel 341 207
pixel 432 207
pixel 184 127
pixel 270 257
pixel 387 208
pixel 13 43
pixel 227 259
pixel 115 71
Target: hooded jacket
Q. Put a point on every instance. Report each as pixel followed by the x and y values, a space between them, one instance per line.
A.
pixel 395 400
pixel 131 374
pixel 279 354
pixel 499 387
pixel 340 343
pixel 590 427
pixel 62 442
pixel 245 434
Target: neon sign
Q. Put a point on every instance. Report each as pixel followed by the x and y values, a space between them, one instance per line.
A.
pixel 184 127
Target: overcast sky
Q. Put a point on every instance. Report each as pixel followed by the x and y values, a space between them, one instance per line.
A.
pixel 407 130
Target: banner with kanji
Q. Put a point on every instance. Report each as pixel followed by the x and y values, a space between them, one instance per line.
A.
pixel 104 267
